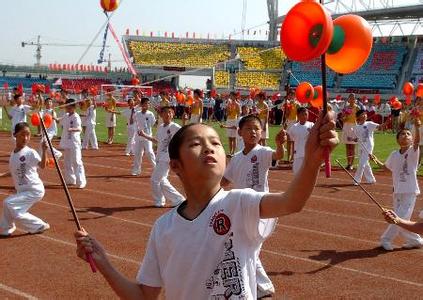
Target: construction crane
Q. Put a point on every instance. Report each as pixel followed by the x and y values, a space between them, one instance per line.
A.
pixel 39 45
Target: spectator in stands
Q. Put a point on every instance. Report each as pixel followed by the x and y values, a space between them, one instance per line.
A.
pixel 349 122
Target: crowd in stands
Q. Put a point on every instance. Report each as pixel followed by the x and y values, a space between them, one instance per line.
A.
pixel 83 84
pixel 417 72
pixel 264 80
pixel 254 58
pixel 178 54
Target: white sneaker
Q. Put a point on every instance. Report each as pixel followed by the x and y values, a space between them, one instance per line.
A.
pixel 412 245
pixel 355 183
pixel 387 245
pixel 8 232
pixel 159 205
pixel 127 154
pixel 41 229
pixel 58 155
pixel 82 185
pixel 135 173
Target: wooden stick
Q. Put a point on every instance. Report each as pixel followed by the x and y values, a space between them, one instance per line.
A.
pixel 367 193
pixel 65 188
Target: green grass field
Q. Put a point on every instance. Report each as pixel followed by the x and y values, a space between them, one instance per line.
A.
pixel 384 142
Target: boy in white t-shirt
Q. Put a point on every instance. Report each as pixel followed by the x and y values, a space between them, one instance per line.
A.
pixel 161 187
pixel 206 248
pixel 403 165
pixel 364 136
pixel 23 164
pixel 18 112
pixel 249 168
pixel 129 113
pixel 90 137
pixel 144 121
pixel 52 130
pixel 71 142
pixel 298 132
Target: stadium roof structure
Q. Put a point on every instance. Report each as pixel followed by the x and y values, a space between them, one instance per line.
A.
pixel 387 17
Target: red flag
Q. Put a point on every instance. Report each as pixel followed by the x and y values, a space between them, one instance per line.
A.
pixel 20 88
pixel 6 86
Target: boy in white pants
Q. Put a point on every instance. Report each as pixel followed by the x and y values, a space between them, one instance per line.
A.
pixel 249 169
pixel 129 113
pixel 403 165
pixel 71 142
pixel 52 130
pixel 144 121
pixel 162 189
pixel 364 132
pixel 298 133
pixel 23 164
pixel 90 137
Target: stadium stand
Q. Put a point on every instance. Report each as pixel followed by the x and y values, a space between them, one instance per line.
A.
pixel 221 79
pixel 81 84
pixel 193 55
pixel 417 71
pixel 26 82
pixel 255 58
pixel 310 72
pixel 262 80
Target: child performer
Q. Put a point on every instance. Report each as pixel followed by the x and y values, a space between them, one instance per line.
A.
pixel 403 165
pixel 348 136
pixel 162 188
pixel 233 110
pixel 71 142
pixel 18 112
pixel 110 107
pixel 263 114
pixel 249 169
pixel 298 133
pixel 392 217
pixel 52 130
pixel 245 111
pixel 291 106
pixel 129 113
pixel 207 247
pixel 23 164
pixel 90 137
pixel 364 135
pixel 197 107
pixel 144 121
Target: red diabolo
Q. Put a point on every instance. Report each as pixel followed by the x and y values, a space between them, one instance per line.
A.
pixel 306 32
pixel 408 88
pixel 304 92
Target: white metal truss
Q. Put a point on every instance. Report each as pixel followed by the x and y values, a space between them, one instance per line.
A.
pixel 405 27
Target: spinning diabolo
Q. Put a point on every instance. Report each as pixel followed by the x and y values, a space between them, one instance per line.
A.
pixel 317 100
pixel 304 92
pixel 109 5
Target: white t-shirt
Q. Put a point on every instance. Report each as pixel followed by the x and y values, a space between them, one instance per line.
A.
pixel 91 115
pixel 23 167
pixel 164 135
pixel 299 135
pixel 52 130
pixel 364 133
pixel 404 170
pixel 211 257
pixel 127 113
pixel 70 140
pixel 145 122
pixel 18 114
pixel 251 170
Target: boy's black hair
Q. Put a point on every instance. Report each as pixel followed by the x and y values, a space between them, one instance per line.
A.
pixel 165 108
pixel 198 92
pixel 359 112
pixel 144 99
pixel 401 131
pixel 17 96
pixel 248 118
pixel 48 99
pixel 301 110
pixel 177 140
pixel 70 102
pixel 20 126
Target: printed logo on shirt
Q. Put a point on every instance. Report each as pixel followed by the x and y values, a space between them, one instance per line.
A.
pixel 221 224
pixel 22 158
pixel 404 170
pixel 226 280
pixel 168 131
pixel 254 159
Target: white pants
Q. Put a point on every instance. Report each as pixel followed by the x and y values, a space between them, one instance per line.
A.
pixel 15 209
pixel 140 147
pixel 90 137
pixel 74 168
pixel 264 284
pixel 364 167
pixel 162 189
pixel 403 207
pixel 56 152
pixel 131 139
pixel 297 164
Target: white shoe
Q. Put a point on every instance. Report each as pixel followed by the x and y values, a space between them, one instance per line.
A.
pixel 135 173
pixel 387 245
pixel 41 229
pixel 82 185
pixel 8 232
pixel 128 154
pixel 58 155
pixel 413 245
pixel 159 205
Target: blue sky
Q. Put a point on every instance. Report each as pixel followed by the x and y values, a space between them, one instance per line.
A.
pixel 78 21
